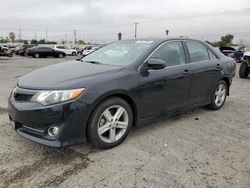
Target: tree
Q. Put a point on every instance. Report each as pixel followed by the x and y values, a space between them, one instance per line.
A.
pixel 33 41
pixel 81 42
pixel 42 41
pixel 226 40
pixel 120 36
pixel 25 42
pixel 12 37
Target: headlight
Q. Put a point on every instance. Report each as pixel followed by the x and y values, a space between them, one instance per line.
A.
pixel 52 97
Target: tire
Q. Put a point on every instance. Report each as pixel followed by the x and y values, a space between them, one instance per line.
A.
pixel 103 130
pixel 73 53
pixel 36 55
pixel 219 95
pixel 244 70
pixel 60 55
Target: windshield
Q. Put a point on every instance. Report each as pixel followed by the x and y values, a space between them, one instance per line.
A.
pixel 119 53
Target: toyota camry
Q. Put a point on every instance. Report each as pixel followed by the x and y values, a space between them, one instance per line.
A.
pixel 97 99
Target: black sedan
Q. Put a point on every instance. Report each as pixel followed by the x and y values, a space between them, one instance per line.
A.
pixel 39 51
pixel 101 96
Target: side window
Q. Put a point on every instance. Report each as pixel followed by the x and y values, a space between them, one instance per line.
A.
pixel 212 55
pixel 171 52
pixel 198 51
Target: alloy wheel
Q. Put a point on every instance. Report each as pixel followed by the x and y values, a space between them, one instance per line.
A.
pixel 220 94
pixel 113 124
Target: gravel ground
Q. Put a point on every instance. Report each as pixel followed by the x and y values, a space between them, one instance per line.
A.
pixel 202 148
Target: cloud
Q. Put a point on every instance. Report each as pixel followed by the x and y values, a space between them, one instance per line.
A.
pixel 101 20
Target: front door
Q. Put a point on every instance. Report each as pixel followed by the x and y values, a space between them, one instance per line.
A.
pixel 165 89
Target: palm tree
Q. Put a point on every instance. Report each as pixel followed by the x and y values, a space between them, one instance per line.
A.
pixel 12 37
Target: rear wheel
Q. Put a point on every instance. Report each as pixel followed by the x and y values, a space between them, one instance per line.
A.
pixel 36 55
pixel 110 123
pixel 219 96
pixel 73 53
pixel 244 70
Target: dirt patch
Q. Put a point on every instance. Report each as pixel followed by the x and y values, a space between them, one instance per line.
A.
pixel 76 161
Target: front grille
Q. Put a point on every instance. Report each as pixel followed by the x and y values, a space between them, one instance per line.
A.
pixel 22 97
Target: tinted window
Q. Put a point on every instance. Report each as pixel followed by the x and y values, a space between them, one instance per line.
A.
pixel 212 55
pixel 198 51
pixel 171 52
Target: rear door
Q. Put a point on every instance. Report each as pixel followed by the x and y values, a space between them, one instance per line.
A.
pixel 205 72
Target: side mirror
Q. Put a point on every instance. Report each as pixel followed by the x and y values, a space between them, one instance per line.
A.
pixel 155 64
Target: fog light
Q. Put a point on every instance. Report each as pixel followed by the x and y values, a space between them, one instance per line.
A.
pixel 53 131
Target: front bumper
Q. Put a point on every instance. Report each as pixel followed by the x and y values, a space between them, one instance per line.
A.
pixel 32 120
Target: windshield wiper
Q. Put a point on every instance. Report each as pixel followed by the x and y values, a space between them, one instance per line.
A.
pixel 93 62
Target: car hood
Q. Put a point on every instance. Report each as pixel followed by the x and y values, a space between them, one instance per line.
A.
pixel 72 74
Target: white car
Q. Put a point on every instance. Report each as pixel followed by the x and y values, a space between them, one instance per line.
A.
pixel 65 49
pixel 88 51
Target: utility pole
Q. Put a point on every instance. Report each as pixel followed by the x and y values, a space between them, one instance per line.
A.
pixel 20 34
pixel 46 32
pixel 136 29
pixel 35 35
pixel 75 33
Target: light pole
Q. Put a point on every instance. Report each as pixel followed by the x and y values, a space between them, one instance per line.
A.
pixel 75 33
pixel 46 33
pixel 167 32
pixel 136 29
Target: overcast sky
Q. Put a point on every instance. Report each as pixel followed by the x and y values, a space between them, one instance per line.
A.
pixel 101 20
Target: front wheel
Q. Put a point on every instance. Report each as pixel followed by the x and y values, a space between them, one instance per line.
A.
pixel 110 123
pixel 36 55
pixel 219 96
pixel 60 55
pixel 73 54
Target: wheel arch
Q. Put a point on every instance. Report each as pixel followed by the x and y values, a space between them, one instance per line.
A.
pixel 131 102
pixel 226 79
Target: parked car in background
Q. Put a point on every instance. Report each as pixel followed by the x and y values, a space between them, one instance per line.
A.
pixel 235 52
pixel 20 50
pixel 39 51
pixel 4 51
pixel 98 98
pixel 4 48
pixel 228 51
pixel 245 65
pixel 78 50
pixel 66 50
pixel 90 50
